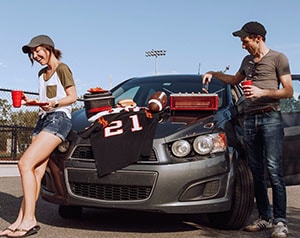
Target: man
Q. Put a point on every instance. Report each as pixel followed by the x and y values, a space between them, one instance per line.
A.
pixel 263 132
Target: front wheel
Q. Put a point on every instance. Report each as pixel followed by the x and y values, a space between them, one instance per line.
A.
pixel 242 201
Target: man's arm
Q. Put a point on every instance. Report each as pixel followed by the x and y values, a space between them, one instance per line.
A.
pixel 226 78
pixel 285 92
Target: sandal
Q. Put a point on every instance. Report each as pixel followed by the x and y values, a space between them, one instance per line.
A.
pixel 29 232
pixel 6 229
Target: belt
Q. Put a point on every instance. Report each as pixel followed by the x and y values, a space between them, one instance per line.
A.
pixel 261 111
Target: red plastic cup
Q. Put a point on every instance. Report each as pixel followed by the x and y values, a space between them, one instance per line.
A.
pixel 16 97
pixel 246 83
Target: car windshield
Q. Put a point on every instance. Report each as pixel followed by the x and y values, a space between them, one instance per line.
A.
pixel 140 89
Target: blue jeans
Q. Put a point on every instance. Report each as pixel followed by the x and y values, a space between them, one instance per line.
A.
pixel 56 123
pixel 263 135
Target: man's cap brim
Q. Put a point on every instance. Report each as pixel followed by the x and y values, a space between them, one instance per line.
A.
pixel 240 33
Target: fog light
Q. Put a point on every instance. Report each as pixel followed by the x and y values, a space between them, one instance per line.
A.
pixel 63 146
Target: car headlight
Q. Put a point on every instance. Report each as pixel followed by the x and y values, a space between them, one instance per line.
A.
pixel 181 148
pixel 211 143
pixel 203 144
pixel 63 146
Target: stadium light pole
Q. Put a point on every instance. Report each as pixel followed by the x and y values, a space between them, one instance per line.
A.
pixel 155 53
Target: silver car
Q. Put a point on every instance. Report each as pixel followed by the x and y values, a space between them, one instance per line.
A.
pixel 197 164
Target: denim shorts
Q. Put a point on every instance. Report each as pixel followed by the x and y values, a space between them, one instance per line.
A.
pixel 56 123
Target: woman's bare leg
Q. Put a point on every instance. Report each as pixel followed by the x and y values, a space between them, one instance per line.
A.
pixel 32 167
pixel 39 172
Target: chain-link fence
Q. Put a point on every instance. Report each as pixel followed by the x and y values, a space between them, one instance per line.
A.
pixel 16 125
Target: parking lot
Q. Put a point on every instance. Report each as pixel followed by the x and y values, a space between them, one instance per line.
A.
pixel 125 224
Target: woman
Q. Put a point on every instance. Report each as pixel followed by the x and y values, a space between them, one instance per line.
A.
pixel 57 89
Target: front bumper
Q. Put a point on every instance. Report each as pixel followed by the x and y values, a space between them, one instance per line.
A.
pixel 201 186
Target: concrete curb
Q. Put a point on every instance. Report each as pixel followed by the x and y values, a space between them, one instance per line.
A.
pixel 9 170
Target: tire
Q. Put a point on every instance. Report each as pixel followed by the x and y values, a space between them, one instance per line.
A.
pixel 242 201
pixel 70 212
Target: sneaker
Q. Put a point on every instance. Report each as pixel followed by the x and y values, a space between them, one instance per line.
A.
pixel 280 230
pixel 259 225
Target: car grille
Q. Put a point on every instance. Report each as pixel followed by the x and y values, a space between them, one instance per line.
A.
pixel 110 192
pixel 85 152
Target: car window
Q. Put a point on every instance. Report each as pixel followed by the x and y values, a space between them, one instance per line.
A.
pixel 292 104
pixel 141 91
pixel 124 93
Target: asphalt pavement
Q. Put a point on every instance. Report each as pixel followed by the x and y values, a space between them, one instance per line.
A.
pixel 124 224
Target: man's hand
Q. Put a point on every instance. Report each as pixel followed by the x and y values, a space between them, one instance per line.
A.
pixel 206 78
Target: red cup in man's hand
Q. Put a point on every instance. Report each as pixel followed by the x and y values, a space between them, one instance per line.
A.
pixel 245 84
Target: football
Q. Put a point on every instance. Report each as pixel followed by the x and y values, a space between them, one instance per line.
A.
pixel 157 101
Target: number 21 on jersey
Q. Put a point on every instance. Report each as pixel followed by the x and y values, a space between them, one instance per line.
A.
pixel 116 127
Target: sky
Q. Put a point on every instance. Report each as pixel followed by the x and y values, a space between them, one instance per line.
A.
pixel 104 42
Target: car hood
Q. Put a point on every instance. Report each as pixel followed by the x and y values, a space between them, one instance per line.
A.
pixel 185 125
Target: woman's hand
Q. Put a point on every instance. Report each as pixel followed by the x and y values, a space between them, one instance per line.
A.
pixel 27 101
pixel 47 107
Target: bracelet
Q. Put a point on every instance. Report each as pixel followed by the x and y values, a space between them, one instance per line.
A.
pixel 56 104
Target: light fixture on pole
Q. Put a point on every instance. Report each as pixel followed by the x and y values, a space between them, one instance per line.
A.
pixel 155 53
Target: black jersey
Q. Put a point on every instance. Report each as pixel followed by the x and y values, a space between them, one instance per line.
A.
pixel 119 139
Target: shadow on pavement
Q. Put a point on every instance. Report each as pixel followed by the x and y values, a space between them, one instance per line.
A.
pixel 105 220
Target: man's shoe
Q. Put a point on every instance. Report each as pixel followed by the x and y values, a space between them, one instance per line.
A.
pixel 259 225
pixel 280 230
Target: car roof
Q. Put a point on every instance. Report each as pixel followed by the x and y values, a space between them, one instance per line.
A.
pixel 167 77
pixel 180 76
pixel 296 76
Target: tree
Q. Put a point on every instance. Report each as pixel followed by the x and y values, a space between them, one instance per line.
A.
pixel 289 105
pixel 24 118
pixel 5 109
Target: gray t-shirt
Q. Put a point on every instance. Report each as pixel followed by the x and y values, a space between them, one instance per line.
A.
pixel 264 74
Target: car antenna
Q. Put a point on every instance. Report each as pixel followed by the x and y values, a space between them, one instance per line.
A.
pixel 226 68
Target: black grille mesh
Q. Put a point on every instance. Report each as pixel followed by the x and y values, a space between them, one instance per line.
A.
pixel 85 152
pixel 110 192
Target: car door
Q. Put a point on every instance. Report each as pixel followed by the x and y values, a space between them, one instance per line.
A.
pixel 290 109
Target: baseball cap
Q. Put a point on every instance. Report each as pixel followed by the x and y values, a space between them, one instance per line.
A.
pixel 36 41
pixel 251 28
